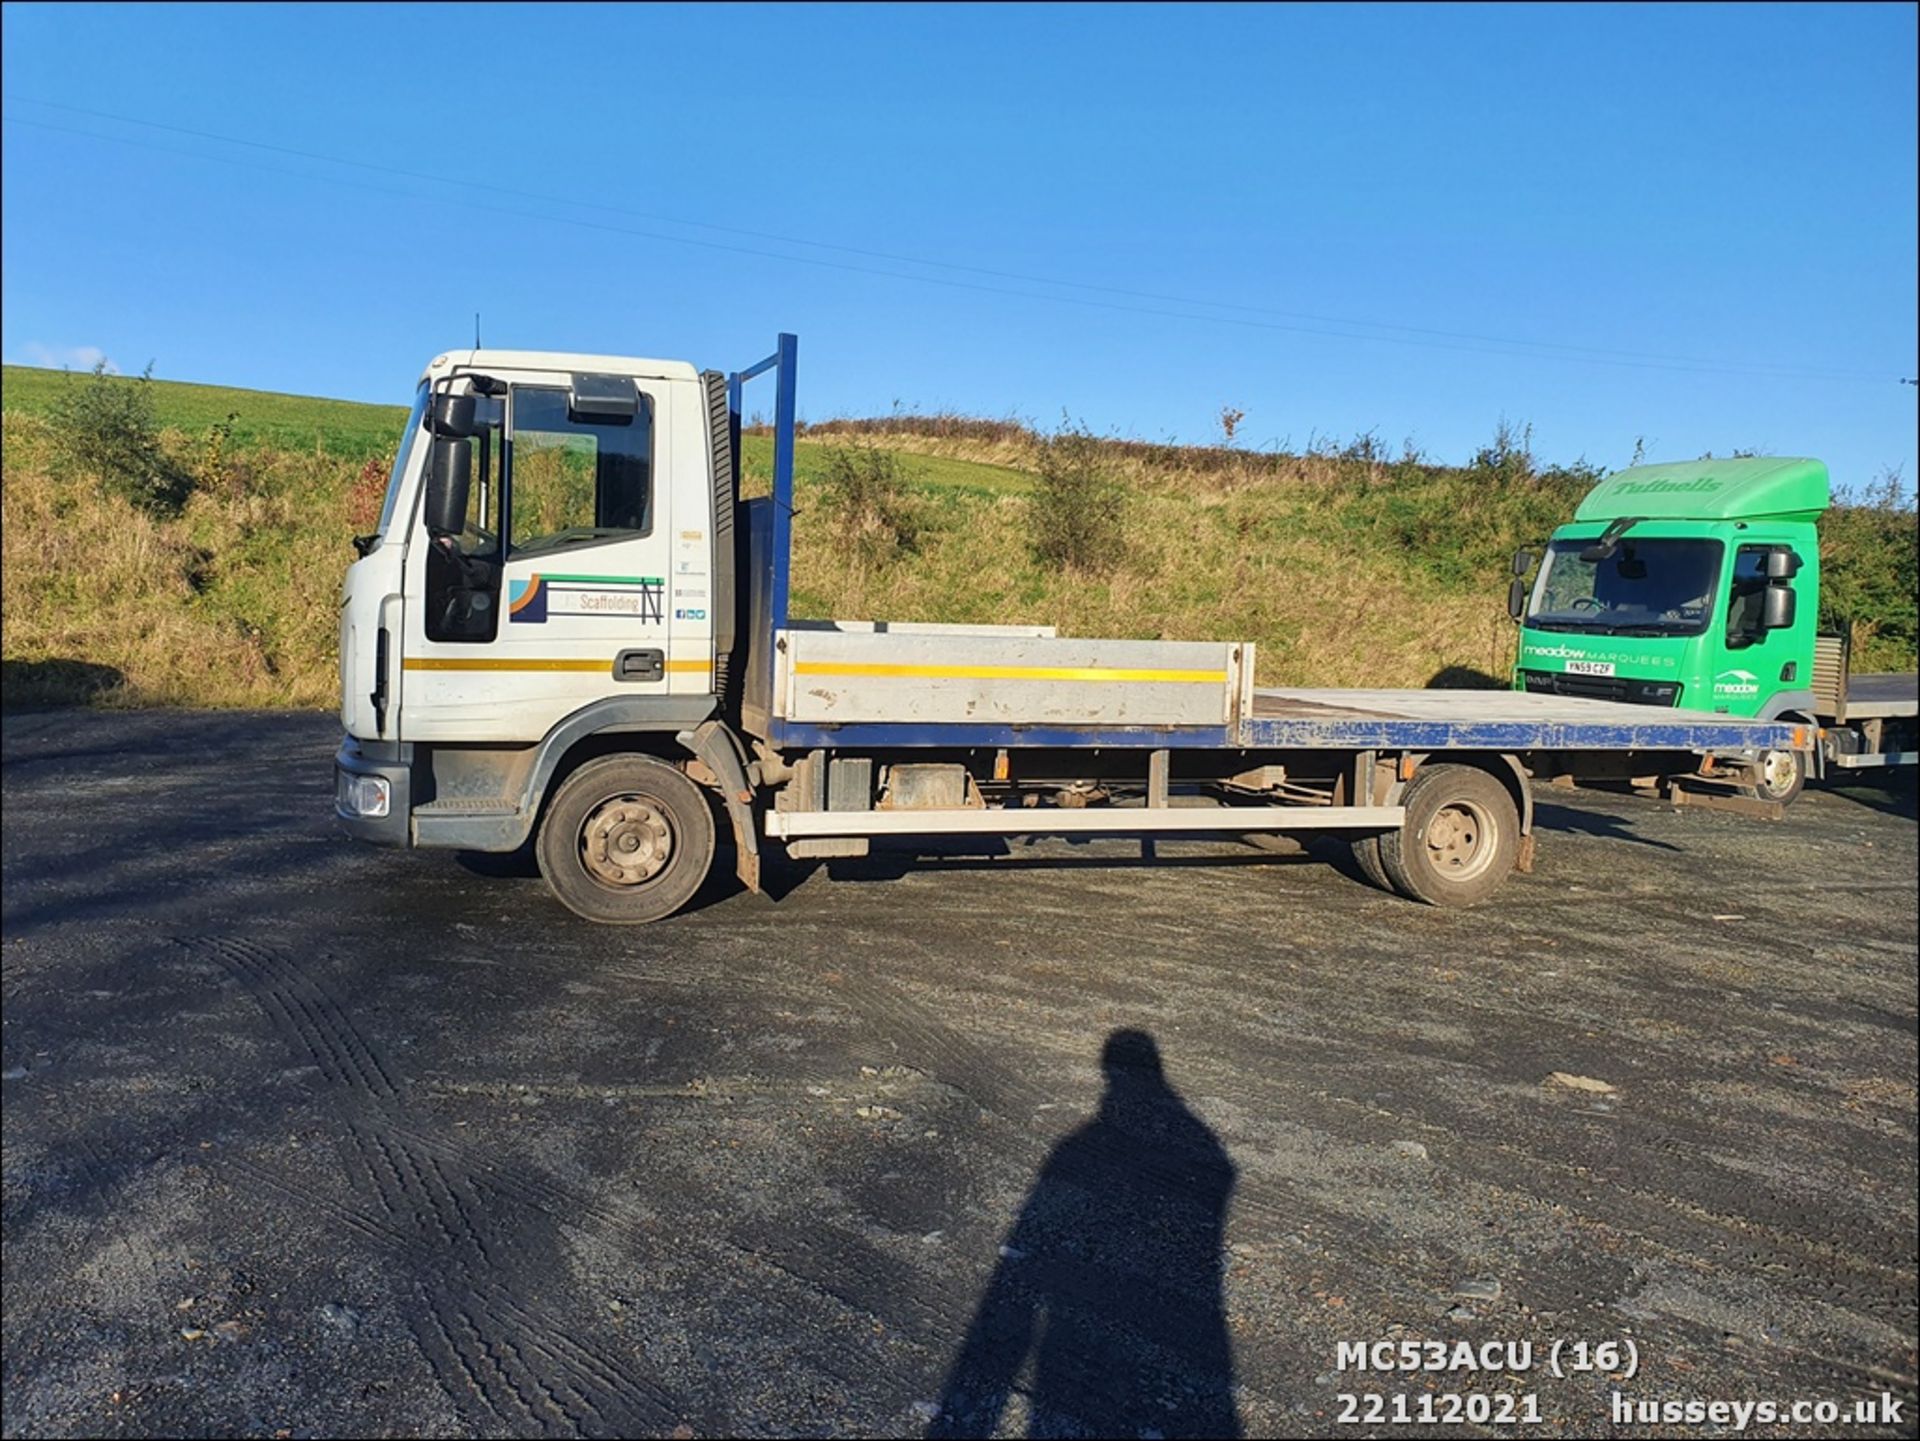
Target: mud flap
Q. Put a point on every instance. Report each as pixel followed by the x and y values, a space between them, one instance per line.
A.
pixel 717 749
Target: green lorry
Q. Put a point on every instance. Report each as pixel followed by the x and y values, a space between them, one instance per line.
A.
pixel 1697 585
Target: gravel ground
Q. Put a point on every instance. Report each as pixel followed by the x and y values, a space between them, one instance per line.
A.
pixel 305 1138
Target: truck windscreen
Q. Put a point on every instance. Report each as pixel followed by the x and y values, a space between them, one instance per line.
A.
pixel 1645 587
pixel 400 455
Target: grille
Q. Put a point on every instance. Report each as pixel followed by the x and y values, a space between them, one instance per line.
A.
pixel 1588 687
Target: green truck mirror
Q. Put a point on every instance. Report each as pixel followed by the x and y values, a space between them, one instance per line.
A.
pixel 1778 607
pixel 1517 598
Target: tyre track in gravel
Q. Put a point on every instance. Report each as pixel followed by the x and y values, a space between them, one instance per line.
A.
pixel 800 1265
pixel 479 1294
pixel 435 1200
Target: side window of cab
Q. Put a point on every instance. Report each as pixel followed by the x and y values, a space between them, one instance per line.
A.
pixel 1747 595
pixel 578 475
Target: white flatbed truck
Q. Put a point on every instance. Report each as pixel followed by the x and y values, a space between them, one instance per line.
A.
pixel 570 629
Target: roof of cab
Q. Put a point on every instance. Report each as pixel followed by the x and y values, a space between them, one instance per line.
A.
pixel 561 362
pixel 1711 490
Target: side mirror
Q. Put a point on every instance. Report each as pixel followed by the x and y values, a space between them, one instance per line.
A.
pixel 449 477
pixel 1783 564
pixel 1778 606
pixel 451 416
pixel 1517 598
pixel 1522 561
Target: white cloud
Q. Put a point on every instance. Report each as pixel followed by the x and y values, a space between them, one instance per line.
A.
pixel 65 357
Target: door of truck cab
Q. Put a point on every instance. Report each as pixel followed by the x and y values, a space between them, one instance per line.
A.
pixel 1754 663
pixel 557 591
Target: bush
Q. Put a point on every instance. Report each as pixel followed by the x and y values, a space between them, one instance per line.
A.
pixel 1076 517
pixel 107 425
pixel 1869 574
pixel 1509 459
pixel 867 493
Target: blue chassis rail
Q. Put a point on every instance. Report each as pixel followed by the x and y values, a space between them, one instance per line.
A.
pixel 1266 734
pixel 1515 735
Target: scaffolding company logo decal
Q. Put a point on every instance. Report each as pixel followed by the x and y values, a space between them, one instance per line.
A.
pixel 629 597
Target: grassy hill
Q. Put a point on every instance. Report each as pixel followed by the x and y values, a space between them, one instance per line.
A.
pixel 345 428
pixel 1346 567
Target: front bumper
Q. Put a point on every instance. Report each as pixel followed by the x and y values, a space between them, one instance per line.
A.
pixel 360 761
pixel 1633 692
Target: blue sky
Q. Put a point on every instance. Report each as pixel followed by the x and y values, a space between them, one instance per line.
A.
pixel 1692 225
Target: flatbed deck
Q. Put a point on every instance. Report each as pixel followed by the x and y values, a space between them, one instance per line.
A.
pixel 1501 720
pixel 839 686
pixel 1878 696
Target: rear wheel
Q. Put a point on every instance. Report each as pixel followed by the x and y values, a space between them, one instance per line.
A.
pixel 1459 838
pixel 1366 855
pixel 1782 775
pixel 627 839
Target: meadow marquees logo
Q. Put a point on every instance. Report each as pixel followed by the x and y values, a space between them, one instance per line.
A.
pixel 1736 682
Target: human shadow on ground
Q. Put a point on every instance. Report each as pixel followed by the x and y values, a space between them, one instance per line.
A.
pixel 1105 1310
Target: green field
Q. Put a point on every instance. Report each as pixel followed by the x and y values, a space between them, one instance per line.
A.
pixel 345 428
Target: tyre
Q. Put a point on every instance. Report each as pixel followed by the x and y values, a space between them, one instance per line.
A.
pixel 1783 775
pixel 626 839
pixel 1459 838
pixel 1366 855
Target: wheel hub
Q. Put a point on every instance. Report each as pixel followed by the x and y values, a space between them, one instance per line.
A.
pixel 626 842
pixel 1776 769
pixel 1459 840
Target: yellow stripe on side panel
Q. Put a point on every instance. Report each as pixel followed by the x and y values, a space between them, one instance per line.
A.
pixel 1012 672
pixel 434 662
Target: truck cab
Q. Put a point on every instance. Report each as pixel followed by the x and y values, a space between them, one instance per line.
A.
pixel 547 548
pixel 1696 585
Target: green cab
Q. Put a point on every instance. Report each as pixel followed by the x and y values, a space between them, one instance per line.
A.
pixel 1693 585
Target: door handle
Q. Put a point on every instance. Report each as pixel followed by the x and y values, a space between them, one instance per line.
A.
pixel 640 665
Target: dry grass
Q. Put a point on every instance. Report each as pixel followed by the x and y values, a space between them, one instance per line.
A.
pixel 1198 567
pixel 1344 569
pixel 230 604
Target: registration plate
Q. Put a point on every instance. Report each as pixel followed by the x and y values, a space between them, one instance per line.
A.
pixel 1589 667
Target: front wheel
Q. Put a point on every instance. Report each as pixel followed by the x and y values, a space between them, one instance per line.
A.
pixel 1782 776
pixel 627 839
pixel 1459 839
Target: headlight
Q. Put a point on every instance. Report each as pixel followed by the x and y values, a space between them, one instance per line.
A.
pixel 360 795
